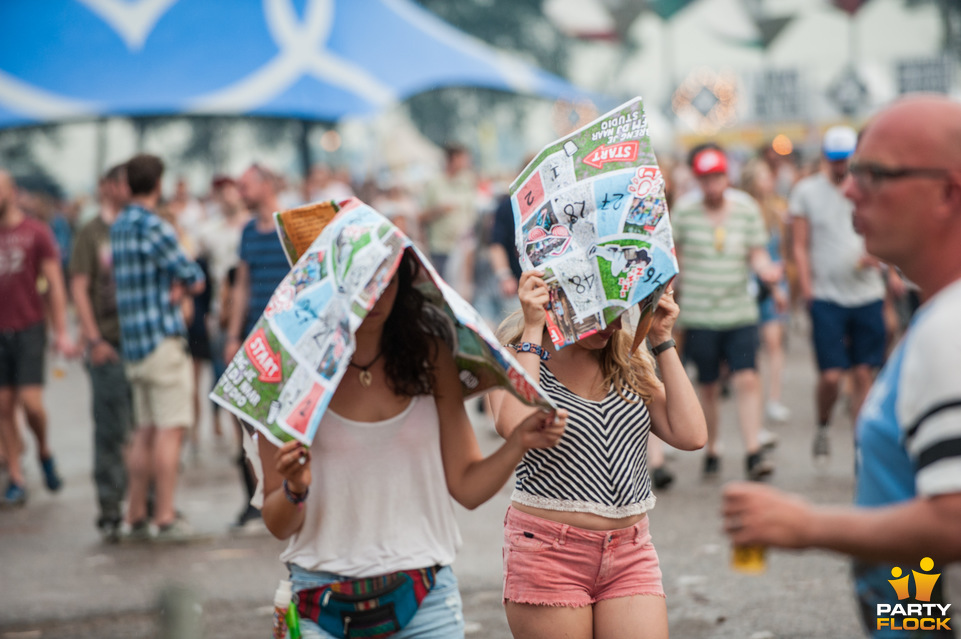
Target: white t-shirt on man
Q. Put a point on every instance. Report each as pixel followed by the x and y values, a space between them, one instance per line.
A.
pixel 833 246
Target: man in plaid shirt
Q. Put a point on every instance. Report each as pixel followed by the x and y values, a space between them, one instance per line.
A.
pixel 152 276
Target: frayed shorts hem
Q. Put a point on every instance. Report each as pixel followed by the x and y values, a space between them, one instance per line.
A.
pixel 552 604
pixel 528 601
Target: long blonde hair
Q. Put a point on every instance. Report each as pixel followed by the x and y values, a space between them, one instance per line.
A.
pixel 773 207
pixel 620 369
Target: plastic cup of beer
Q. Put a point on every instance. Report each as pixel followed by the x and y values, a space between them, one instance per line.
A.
pixel 751 560
pixel 59 368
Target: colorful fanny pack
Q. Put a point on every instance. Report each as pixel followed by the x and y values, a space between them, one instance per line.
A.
pixel 371 608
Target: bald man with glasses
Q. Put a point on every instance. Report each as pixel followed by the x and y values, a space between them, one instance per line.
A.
pixel 906 188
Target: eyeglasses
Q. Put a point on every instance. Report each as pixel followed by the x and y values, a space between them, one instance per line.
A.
pixel 873 176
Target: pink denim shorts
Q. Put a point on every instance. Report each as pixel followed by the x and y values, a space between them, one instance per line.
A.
pixel 551 564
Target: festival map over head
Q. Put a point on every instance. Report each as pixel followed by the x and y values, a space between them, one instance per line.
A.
pixel 282 380
pixel 590 212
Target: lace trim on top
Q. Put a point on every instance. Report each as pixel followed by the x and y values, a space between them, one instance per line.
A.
pixel 575 506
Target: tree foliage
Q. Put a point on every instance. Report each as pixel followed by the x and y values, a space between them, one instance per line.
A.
pixel 18 157
pixel 518 27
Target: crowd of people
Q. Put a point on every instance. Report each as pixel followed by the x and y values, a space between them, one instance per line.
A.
pixel 164 287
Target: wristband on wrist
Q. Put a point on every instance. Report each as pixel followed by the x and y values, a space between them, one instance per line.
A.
pixel 530 347
pixel 663 346
pixel 296 499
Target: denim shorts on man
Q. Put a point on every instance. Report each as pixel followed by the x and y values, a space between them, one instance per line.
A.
pixel 547 563
pixel 707 348
pixel 848 336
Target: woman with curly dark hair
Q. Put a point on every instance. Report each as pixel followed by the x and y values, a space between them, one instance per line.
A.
pixel 367 509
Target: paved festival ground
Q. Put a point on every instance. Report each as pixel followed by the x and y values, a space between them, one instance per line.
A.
pixel 58 580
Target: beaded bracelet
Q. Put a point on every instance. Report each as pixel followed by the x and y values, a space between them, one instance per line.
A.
pixel 294 498
pixel 528 347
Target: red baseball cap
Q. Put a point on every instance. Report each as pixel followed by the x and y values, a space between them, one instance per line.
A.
pixel 219 181
pixel 709 161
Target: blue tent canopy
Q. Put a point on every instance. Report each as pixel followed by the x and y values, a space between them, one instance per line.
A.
pixel 310 59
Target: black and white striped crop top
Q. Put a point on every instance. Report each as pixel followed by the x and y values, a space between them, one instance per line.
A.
pixel 599 466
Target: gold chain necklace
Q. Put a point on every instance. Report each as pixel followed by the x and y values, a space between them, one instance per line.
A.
pixel 365 375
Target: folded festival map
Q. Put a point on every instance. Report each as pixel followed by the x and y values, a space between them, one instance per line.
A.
pixel 283 377
pixel 590 211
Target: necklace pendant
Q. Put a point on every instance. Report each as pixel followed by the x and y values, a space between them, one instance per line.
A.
pixel 365 378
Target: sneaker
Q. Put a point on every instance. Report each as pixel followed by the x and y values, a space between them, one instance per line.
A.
pixel 661 477
pixel 757 467
pixel 249 514
pixel 50 475
pixel 137 532
pixel 176 532
pixel 766 438
pixel 712 466
pixel 822 446
pixel 777 412
pixel 253 528
pixel 16 495
pixel 109 528
pixel 249 522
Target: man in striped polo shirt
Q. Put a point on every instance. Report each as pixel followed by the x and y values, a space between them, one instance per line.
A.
pixel 720 238
pixel 261 267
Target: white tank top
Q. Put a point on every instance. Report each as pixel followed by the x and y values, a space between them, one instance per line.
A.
pixel 378 499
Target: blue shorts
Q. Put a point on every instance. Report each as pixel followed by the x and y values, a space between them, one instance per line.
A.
pixel 848 336
pixel 768 309
pixel 707 348
pixel 440 615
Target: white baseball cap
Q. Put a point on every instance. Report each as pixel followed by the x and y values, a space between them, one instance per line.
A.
pixel 839 142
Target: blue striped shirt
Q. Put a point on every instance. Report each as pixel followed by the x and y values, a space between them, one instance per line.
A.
pixel 267 263
pixel 147 260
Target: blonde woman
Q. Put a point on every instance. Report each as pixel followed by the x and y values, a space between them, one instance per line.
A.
pixel 774 300
pixel 578 557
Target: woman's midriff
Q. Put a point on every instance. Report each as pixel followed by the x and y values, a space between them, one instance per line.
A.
pixel 587 521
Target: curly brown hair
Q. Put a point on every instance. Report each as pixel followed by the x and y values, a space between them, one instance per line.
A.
pixel 411 335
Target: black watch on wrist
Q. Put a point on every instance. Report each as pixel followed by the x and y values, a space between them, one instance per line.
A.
pixel 663 346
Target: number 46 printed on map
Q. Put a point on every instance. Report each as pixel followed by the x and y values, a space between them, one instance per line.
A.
pixel 590 211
